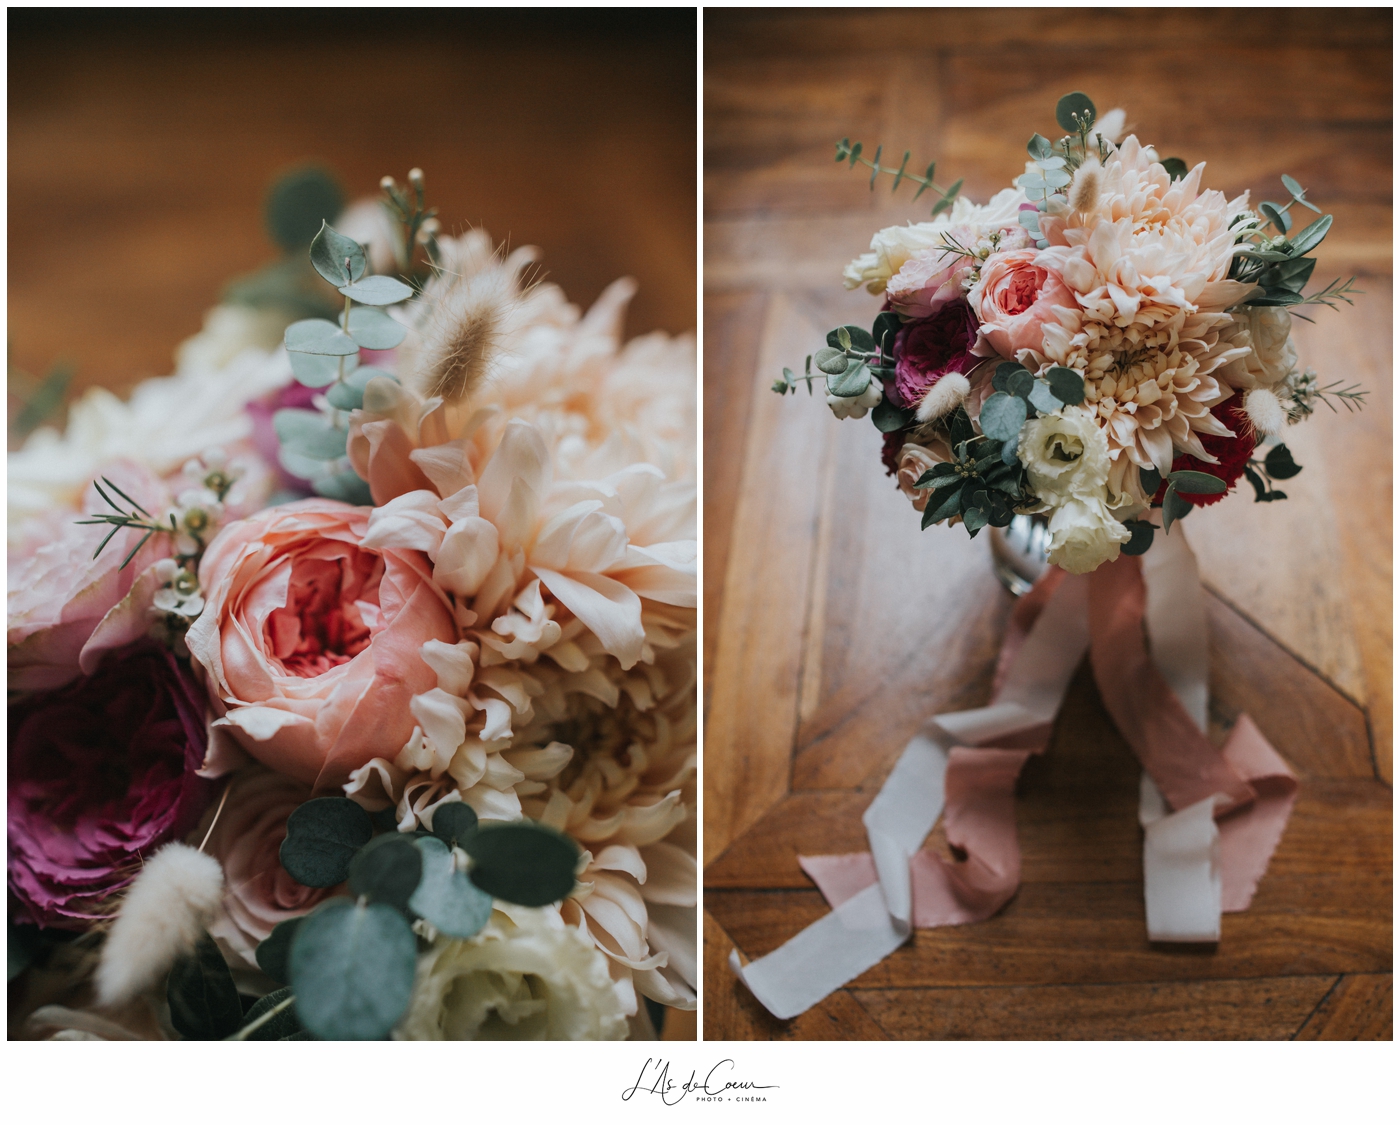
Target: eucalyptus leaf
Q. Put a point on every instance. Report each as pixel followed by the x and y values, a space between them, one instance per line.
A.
pixel 890 418
pixel 1175 167
pixel 309 433
pixel 321 370
pixel 856 338
pixel 377 290
pixel 1311 235
pixel 1174 507
pixel 1043 399
pixel 299 204
pixel 323 835
pixel 273 950
pixel 884 331
pixel 1002 416
pixel 1280 464
pixel 1066 384
pixel 1056 177
pixel 304 468
pixel 1039 147
pixel 1151 481
pixel 346 486
pixel 451 902
pixel 376 330
pixel 387 870
pixel 203 999
pixel 522 862
pixel 1008 451
pixel 281 1026
pixel 1276 215
pixel 352 969
pixel 1142 533
pixel 831 361
pixel 975 519
pixel 1072 105
pixel 454 821
pixel 1294 188
pixel 349 394
pixel 340 260
pixel 319 337
pixel 852 383
pixel 1021 384
pixel 1198 484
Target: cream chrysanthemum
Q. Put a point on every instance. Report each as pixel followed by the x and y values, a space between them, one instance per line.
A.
pixel 1147 260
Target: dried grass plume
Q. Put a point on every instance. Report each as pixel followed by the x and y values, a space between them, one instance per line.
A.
pixel 169 905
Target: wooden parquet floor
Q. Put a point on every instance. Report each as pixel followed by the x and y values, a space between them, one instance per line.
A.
pixel 833 626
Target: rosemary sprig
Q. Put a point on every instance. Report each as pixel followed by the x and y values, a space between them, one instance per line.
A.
pixel 124 519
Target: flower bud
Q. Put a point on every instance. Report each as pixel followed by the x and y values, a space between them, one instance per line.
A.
pixel 415 177
pixel 387 183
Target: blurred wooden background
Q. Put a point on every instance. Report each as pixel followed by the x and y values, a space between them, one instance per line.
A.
pixel 142 144
pixel 834 626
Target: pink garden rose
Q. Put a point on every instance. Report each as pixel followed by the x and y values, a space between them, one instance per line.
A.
pixel 58 592
pixel 101 774
pixel 1014 299
pixel 246 840
pixel 310 642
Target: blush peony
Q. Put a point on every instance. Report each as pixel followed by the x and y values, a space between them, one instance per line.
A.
pixel 1015 298
pixel 310 642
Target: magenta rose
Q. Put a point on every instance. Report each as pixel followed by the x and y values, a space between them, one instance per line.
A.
pixel 101 773
pixel 926 350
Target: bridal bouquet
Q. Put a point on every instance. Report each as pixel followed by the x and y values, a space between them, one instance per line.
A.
pixel 1103 347
pixel 352 667
pixel 1104 338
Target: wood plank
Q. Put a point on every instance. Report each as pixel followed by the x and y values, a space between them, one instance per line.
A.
pixel 138 162
pixel 733 324
pixel 1256 1009
pixel 1359 1006
pixel 835 31
pixel 1088 933
pixel 731 1012
pixel 757 663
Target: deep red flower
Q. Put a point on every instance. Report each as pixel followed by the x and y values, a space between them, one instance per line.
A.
pixel 101 773
pixel 926 350
pixel 1233 452
pixel 894 442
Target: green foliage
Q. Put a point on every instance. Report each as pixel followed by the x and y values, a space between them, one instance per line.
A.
pixel 1075 113
pixel 375 330
pixel 1066 384
pixel 309 433
pixel 981 485
pixel 43 398
pixel 523 862
pixel 352 968
pixel 888 417
pixel 1175 167
pixel 848 152
pixel 377 290
pixel 445 897
pixel 299 204
pixel 1174 507
pixel 453 822
pixel 1151 481
pixel 1142 533
pixel 830 360
pixel 851 383
pixel 22 946
pixel 883 332
pixel 203 999
pixel 387 870
pixel 1198 484
pixel 282 1025
pixel 857 339
pixel 349 393
pixel 273 950
pixel 1002 416
pixel 323 835
pixel 346 486
pixel 340 260
pixel 1280 464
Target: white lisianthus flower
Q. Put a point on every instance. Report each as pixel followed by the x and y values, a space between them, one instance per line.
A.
pixel 856 407
pixel 1084 535
pixel 526 975
pixel 1065 454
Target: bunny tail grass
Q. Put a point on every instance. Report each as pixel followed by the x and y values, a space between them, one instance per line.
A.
pixel 169 905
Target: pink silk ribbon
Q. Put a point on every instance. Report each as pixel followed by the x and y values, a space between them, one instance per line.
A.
pixel 1230 805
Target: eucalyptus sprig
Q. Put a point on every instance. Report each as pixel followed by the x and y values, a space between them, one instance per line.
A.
pixel 846 151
